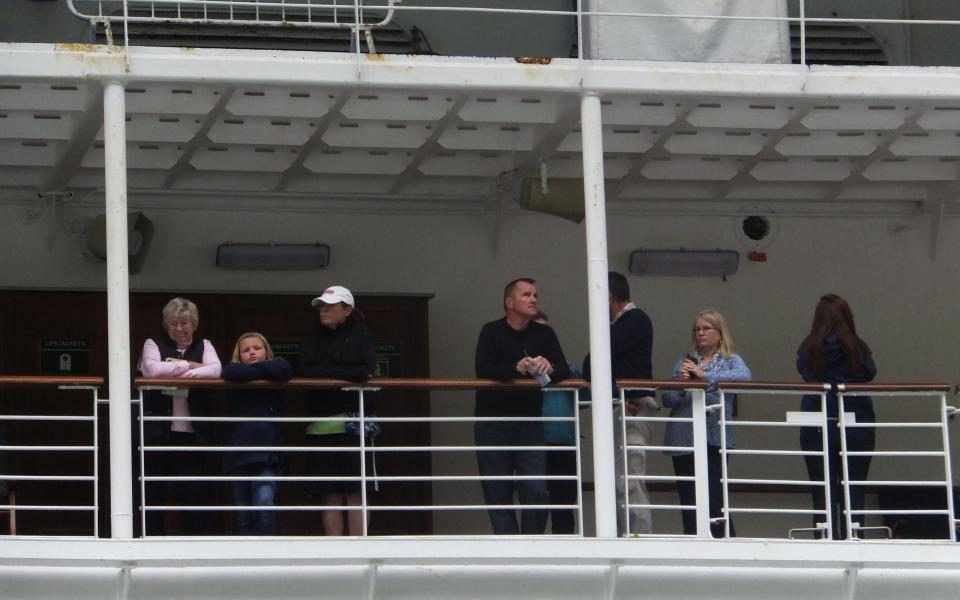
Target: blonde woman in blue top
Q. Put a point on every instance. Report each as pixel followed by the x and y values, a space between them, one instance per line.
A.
pixel 712 361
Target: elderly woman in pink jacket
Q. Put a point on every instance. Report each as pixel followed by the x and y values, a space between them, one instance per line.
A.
pixel 176 353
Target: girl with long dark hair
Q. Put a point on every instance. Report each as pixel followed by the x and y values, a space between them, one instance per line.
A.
pixel 833 353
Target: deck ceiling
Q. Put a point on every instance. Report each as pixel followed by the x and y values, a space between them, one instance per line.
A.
pixel 428 141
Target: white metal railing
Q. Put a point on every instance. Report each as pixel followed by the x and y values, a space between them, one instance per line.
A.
pixel 310 14
pixel 928 454
pixel 23 478
pixel 936 427
pixel 698 422
pixel 742 476
pixel 851 526
pixel 791 425
pixel 369 475
pixel 368 15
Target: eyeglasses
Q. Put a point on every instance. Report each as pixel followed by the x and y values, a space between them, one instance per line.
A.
pixel 703 329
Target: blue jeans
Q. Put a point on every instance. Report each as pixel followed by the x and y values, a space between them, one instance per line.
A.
pixel 513 462
pixel 254 493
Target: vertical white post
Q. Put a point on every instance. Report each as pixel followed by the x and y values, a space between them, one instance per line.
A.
pixel 599 316
pixel 948 472
pixel 828 499
pixel 803 36
pixel 624 472
pixel 701 468
pixel 726 515
pixel 362 423
pixel 576 445
pixel 844 462
pixel 118 310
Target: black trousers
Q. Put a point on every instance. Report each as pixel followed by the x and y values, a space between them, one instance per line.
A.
pixel 184 493
pixel 562 462
pixel 683 466
pixel 859 439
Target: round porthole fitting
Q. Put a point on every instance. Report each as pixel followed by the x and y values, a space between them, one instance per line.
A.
pixel 756 227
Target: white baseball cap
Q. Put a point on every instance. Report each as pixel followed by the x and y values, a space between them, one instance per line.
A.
pixel 333 295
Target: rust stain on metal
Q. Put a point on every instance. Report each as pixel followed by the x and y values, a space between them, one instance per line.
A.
pixel 533 60
pixel 68 47
pixel 378 58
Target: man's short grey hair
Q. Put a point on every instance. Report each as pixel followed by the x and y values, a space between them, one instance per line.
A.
pixel 179 307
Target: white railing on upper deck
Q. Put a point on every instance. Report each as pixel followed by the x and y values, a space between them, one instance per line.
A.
pixel 310 14
pixel 365 16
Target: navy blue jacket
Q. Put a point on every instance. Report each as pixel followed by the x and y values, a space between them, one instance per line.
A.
pixel 837 370
pixel 254 403
pixel 631 347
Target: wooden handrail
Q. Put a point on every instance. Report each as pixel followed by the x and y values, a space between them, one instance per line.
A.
pixel 482 384
pixel 404 383
pixel 30 380
pixel 848 387
pixel 460 384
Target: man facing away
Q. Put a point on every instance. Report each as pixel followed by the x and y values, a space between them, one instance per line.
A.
pixel 631 346
pixel 515 347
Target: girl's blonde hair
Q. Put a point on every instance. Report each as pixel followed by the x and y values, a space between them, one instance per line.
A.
pixel 250 334
pixel 716 320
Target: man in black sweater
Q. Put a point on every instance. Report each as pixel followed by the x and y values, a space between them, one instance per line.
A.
pixel 631 346
pixel 515 347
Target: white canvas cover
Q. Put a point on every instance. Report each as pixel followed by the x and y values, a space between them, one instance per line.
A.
pixel 688 40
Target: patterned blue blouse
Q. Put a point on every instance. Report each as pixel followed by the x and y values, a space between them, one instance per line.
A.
pixel 717 370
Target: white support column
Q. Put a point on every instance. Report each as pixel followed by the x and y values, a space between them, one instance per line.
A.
pixel 701 467
pixel 118 310
pixel 599 316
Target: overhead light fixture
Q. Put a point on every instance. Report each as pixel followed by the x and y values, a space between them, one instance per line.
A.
pixel 563 198
pixel 718 263
pixel 559 197
pixel 273 257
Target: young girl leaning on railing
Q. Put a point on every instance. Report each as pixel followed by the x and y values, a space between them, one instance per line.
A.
pixel 252 360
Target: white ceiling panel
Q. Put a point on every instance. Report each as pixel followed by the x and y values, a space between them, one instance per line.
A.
pixel 373 135
pixel 486 136
pixel 847 116
pixel 927 169
pixel 242 159
pixel 741 115
pixel 357 162
pixel 279 102
pixel 508 108
pixel 939 143
pixel 619 110
pixel 693 169
pixel 270 131
pixel 708 141
pixel 802 170
pixel 383 105
pixel 186 99
pixel 828 143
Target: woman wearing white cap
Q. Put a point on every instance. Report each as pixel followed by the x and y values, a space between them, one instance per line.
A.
pixel 341 348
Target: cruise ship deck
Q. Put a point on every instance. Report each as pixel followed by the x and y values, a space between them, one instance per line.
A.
pixel 529 140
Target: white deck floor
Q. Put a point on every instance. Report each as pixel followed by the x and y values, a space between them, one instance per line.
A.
pixel 476 568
